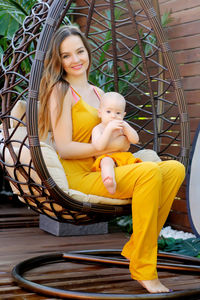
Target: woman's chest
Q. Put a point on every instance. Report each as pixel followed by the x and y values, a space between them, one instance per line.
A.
pixel 84 119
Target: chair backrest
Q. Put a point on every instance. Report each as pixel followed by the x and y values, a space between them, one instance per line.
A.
pixel 130 55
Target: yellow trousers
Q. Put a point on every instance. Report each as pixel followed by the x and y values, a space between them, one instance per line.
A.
pixel 155 186
pixel 152 187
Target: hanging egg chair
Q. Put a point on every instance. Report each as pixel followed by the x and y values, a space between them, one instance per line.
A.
pixel 128 46
pixel 130 55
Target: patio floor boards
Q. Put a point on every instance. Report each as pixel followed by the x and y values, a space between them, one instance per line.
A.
pixel 18 244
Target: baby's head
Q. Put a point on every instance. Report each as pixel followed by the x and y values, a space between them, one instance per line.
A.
pixel 112 107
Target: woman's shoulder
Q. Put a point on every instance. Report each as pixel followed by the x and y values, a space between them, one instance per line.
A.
pixel 99 90
pixel 58 87
pixel 58 90
pixel 57 93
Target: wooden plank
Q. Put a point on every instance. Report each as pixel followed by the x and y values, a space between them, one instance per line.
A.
pixel 191 83
pixel 182 30
pixel 185 16
pixel 190 69
pixel 177 5
pixel 191 55
pixel 179 205
pixel 187 42
pixel 193 96
pixel 179 219
pixel 194 123
pixel 194 110
pixel 21 216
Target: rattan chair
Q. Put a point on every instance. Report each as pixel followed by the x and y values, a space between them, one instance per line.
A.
pixel 132 56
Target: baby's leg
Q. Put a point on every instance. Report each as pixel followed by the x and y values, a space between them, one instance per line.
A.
pixel 108 174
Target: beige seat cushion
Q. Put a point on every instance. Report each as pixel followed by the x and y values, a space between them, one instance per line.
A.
pixel 54 166
pixel 51 160
pixel 147 155
pixel 18 111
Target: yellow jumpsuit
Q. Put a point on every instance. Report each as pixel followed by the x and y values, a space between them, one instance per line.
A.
pixel 120 159
pixel 152 187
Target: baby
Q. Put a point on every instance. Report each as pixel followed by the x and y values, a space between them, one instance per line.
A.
pixel 112 112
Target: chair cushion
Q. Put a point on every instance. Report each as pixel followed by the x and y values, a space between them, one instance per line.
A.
pixel 17 112
pixel 79 196
pixel 147 155
pixel 54 166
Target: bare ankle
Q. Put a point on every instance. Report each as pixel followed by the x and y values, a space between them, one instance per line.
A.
pixel 154 286
pixel 110 184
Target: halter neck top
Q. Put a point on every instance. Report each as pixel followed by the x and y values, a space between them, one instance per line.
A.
pixel 84 119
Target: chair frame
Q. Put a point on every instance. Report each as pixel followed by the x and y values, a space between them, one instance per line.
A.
pixel 48 15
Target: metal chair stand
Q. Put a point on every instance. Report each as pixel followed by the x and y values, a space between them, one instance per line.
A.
pixel 178 263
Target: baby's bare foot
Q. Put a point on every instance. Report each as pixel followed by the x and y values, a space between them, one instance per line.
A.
pixel 154 286
pixel 110 184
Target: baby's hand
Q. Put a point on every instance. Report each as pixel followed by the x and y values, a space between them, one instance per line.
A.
pixel 124 124
pixel 115 125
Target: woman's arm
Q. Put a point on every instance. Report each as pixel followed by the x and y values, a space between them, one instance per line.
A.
pixel 62 132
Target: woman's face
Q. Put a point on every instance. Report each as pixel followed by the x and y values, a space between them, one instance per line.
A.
pixel 74 56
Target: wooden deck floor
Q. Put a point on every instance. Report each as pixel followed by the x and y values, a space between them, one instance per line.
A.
pixel 18 244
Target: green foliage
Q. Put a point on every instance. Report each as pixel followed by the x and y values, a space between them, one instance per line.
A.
pixel 124 222
pixel 166 18
pixel 8 25
pixel 12 15
pixel 102 68
pixel 190 247
pixel 16 10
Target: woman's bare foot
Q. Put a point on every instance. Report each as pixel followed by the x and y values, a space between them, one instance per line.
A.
pixel 110 184
pixel 154 286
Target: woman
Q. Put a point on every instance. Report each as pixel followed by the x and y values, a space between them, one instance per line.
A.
pixel 68 107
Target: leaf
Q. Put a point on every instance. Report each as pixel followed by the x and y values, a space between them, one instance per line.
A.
pixel 15 9
pixel 190 247
pixel 8 26
pixel 125 223
pixel 166 18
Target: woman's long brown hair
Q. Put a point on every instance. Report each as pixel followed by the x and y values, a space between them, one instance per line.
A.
pixel 53 75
